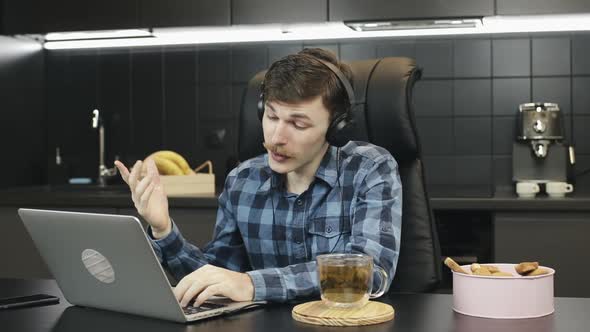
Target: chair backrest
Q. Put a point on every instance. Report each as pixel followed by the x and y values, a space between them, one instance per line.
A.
pixel 383 117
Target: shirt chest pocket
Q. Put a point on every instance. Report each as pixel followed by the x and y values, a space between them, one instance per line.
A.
pixel 329 231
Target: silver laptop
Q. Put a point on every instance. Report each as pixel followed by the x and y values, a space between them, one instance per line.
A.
pixel 106 261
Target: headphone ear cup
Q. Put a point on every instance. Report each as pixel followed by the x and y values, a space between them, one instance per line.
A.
pixel 260 107
pixel 339 131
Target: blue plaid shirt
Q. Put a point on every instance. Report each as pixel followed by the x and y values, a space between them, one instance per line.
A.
pixel 274 236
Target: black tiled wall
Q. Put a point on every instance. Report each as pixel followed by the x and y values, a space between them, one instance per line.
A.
pixel 22 119
pixel 187 99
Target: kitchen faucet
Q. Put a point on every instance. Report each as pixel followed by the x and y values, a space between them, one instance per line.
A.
pixel 103 172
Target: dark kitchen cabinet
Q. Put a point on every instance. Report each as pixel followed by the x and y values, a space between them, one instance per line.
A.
pixel 523 7
pixel 19 255
pixel 353 10
pixel 158 13
pixel 36 16
pixel 196 225
pixel 278 11
pixel 71 15
pixel 555 239
pixel 2 19
pixel 22 16
pixel 21 259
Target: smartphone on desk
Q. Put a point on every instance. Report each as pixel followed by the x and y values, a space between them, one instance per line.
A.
pixel 28 301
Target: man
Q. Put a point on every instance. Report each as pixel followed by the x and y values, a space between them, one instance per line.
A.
pixel 278 211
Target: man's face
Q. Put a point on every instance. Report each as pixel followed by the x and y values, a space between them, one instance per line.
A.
pixel 295 135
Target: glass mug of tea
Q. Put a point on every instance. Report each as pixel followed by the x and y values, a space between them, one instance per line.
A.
pixel 346 280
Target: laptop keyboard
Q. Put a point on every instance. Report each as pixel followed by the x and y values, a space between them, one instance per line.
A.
pixel 189 310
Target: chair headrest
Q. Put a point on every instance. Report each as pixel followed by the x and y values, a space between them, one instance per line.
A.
pixel 383 111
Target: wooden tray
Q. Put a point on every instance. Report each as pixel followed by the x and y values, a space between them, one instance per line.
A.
pixel 188 185
pixel 317 313
pixel 198 184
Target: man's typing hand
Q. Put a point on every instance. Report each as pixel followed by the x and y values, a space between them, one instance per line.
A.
pixel 211 280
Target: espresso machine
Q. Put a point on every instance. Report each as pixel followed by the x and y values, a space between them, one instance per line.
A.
pixel 540 153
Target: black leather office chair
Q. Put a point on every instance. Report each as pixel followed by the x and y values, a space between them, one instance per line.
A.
pixel 385 118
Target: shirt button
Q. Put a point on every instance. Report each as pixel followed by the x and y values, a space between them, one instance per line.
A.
pixel 329 229
pixel 299 202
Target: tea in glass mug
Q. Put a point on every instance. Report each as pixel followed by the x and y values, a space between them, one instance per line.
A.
pixel 346 280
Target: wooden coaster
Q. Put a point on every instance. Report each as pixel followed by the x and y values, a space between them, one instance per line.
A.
pixel 318 313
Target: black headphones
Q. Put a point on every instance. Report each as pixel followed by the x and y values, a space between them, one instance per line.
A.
pixel 338 133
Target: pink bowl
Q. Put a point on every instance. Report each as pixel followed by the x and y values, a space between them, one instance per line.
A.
pixel 503 297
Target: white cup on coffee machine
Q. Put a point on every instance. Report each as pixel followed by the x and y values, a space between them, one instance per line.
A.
pixel 558 189
pixel 527 189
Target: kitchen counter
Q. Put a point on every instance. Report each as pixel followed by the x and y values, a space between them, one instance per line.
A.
pixel 447 198
pixel 116 196
pixel 504 199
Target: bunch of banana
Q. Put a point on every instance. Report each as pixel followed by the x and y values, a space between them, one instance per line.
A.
pixel 171 163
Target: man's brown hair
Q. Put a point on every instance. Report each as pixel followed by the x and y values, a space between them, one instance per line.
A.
pixel 301 77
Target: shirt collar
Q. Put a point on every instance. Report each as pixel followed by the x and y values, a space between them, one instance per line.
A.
pixel 326 171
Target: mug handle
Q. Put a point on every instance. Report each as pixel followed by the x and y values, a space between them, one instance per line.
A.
pixel 381 289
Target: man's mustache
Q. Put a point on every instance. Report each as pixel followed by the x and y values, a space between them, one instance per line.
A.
pixel 276 149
